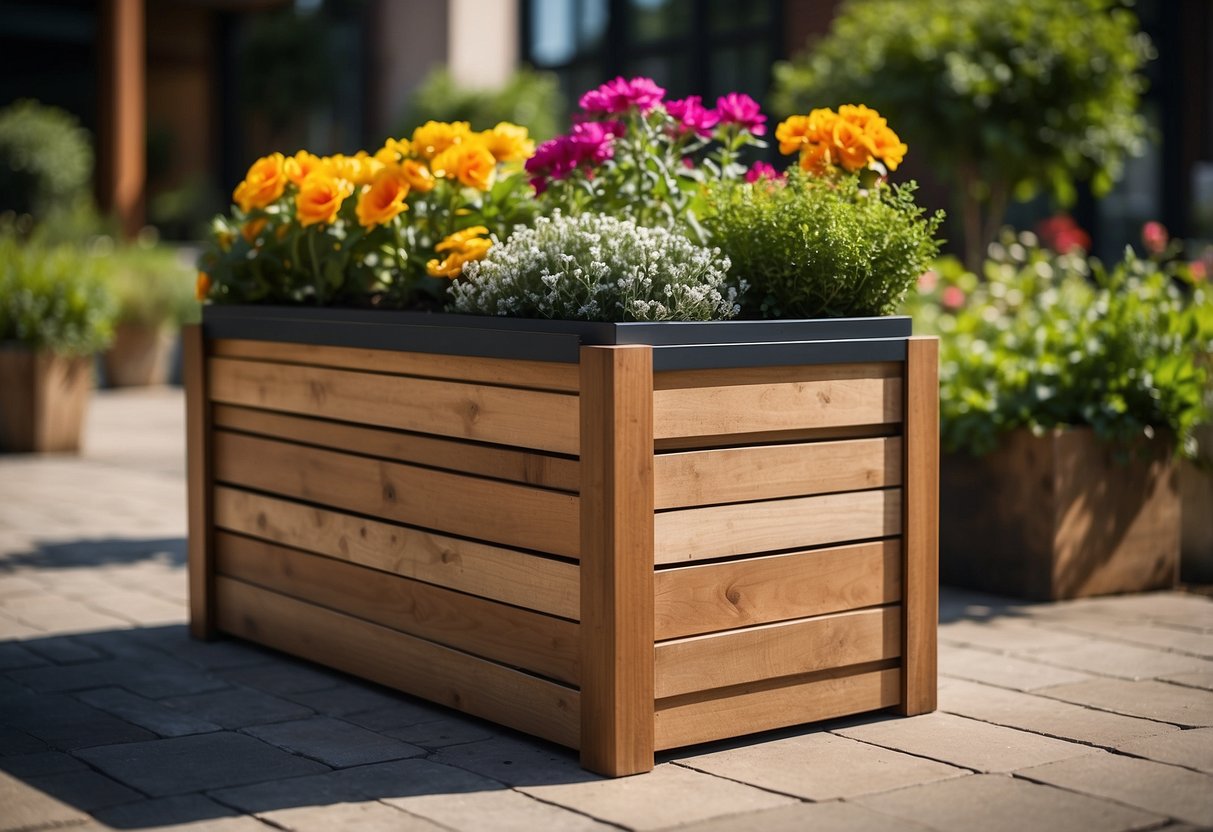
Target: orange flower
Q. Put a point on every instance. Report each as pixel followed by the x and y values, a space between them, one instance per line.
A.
pixel 393 151
pixel 300 165
pixel 815 159
pixel 469 162
pixel 383 199
pixel 264 183
pixel 252 229
pixel 320 197
pixel 433 137
pixel 202 286
pixel 887 147
pixel 417 175
pixel 508 142
pixel 463 246
pixel 850 145
pixel 792 134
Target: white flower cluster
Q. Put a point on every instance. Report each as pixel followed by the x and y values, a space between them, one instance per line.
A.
pixel 597 268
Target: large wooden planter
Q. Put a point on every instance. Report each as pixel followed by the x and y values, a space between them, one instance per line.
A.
pixel 140 355
pixel 43 396
pixel 622 538
pixel 1060 516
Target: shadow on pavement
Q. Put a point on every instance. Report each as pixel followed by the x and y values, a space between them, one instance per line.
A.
pixel 97 552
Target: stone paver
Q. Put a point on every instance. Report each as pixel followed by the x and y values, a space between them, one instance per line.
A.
pixel 1154 787
pixel 112 717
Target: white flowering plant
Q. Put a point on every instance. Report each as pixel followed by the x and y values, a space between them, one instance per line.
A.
pixel 595 267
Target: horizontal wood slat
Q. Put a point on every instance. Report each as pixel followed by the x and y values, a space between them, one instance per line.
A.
pixel 763 472
pixel 750 408
pixel 704 598
pixel 728 376
pixel 519 638
pixel 746 528
pixel 527 467
pixel 517 578
pixel 539 375
pixel 773 650
pixel 380 654
pixel 500 512
pixel 720 441
pixel 761 706
pixel 505 416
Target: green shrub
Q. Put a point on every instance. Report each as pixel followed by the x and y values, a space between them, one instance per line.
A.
pixel 529 98
pixel 151 285
pixel 53 297
pixel 46 161
pixel 1048 340
pixel 818 248
pixel 594 267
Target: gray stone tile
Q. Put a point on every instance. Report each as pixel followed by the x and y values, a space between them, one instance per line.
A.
pixel 443 732
pixel 207 655
pixel 154 679
pixel 238 707
pixel 1199 679
pixel 965 742
pixel 334 742
pixel 400 714
pixel 64 650
pixel 368 816
pixel 516 761
pixel 1004 671
pixel 281 677
pixel 28 807
pixel 64 723
pixel 140 608
pixel 1160 701
pixel 43 762
pixel 275 794
pixel 802 817
pixel 14 655
pixel 58 614
pixel 1051 717
pixel 665 796
pixel 1153 787
pixel 1006 635
pixel 193 812
pixel 997 803
pixel 349 698
pixel 1124 661
pixel 146 713
pixel 820 766
pixel 11 628
pixel 1192 748
pixel 196 763
pixel 86 790
pixel 509 810
pixel 14 742
pixel 1174 639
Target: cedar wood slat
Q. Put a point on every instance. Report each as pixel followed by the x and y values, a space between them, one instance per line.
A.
pixel 198 480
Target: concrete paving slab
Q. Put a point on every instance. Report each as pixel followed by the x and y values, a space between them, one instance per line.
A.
pixel 1199 679
pixel 998 803
pixel 154 679
pixel 965 742
pixel 517 761
pixel 183 812
pixel 368 816
pixel 800 817
pixel 350 698
pixel 28 807
pixel 820 766
pixel 40 763
pixel 146 713
pixel 1124 661
pixel 402 713
pixel 85 790
pixel 1148 634
pixel 439 733
pixel 238 707
pixel 1161 789
pixel 282 679
pixel 1005 671
pixel 15 656
pixel 63 723
pixel 19 743
pixel 334 742
pixel 1006 635
pixel 1192 748
pixel 1160 701
pixel 504 809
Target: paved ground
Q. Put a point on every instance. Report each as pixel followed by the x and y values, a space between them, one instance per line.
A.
pixel 1094 715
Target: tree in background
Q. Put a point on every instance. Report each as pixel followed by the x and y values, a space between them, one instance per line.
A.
pixel 1007 98
pixel 529 98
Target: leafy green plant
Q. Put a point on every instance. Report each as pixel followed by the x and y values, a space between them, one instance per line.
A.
pixel 1048 340
pixel 821 248
pixel 528 98
pixel 595 267
pixel 151 285
pixel 53 297
pixel 46 161
pixel 1008 97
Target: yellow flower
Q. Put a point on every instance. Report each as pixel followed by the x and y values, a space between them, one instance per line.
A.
pixel 417 175
pixel 300 165
pixel 433 137
pixel 359 169
pixel 462 247
pixel 508 142
pixel 252 229
pixel 264 183
pixel 851 145
pixel 202 286
pixel 861 116
pixel 469 162
pixel 320 197
pixel 393 152
pixel 383 199
pixel 886 146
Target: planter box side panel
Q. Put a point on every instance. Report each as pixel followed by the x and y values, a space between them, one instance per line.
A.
pixel 44 399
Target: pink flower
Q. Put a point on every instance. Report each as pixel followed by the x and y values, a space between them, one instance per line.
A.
pixel 589 143
pixel 1063 235
pixel 953 297
pixel 621 94
pixel 693 116
pixel 927 281
pixel 1154 237
pixel 741 110
pixel 761 170
pixel 1198 270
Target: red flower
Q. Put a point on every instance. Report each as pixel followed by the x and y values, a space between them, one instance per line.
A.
pixel 1063 235
pixel 1154 237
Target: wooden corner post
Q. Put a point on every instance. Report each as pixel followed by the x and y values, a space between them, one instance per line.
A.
pixel 617 695
pixel 920 560
pixel 198 474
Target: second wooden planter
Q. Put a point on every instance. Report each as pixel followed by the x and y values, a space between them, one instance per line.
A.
pixel 622 538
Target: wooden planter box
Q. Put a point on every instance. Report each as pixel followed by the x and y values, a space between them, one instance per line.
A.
pixel 43 396
pixel 619 537
pixel 139 356
pixel 1060 516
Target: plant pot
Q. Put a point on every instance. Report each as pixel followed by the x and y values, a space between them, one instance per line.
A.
pixel 1196 493
pixel 1060 516
pixel 619 537
pixel 139 355
pixel 44 396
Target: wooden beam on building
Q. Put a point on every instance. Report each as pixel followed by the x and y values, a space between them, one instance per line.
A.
pixel 122 113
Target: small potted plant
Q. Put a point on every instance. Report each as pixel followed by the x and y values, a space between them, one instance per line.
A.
pixel 55 313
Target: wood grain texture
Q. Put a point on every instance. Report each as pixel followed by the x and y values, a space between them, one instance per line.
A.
pixel 198 482
pixel 711 442
pixel 747 528
pixel 499 512
pixel 469 684
pixel 617 559
pixel 513 577
pixel 538 375
pixel 770 651
pixel 704 598
pixel 762 472
pixel 501 415
pixel 527 467
pixel 921 550
pixel 519 638
pixel 761 706
pixel 728 376
pixel 795 405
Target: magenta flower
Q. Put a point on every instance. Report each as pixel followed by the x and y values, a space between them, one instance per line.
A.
pixel 620 95
pixel 595 140
pixel 692 115
pixel 590 143
pixel 741 110
pixel 761 170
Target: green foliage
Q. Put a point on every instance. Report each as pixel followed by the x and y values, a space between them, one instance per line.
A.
pixel 46 161
pixel 1048 340
pixel 529 98
pixel 53 297
pixel 151 284
pixel 1007 98
pixel 821 248
pixel 594 267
